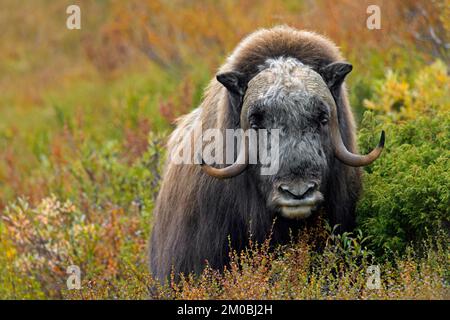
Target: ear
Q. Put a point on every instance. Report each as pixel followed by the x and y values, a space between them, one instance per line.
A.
pixel 236 84
pixel 234 81
pixel 334 75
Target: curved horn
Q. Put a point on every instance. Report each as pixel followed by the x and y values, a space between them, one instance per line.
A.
pixel 334 75
pixel 242 160
pixel 233 170
pixel 341 152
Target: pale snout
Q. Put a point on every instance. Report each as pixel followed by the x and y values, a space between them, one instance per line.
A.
pixel 299 200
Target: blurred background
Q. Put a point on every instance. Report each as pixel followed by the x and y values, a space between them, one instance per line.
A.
pixel 84 115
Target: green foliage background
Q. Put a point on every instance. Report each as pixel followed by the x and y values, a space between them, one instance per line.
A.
pixel 84 116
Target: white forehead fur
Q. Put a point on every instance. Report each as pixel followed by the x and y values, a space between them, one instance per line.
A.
pixel 281 77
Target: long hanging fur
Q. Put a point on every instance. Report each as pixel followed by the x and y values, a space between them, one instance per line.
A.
pixel 196 216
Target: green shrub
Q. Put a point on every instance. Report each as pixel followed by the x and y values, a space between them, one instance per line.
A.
pixel 407 191
pixel 103 228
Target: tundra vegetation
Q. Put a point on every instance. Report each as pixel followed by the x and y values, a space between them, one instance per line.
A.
pixel 84 116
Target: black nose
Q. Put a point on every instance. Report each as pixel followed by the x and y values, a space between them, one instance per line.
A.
pixel 298 191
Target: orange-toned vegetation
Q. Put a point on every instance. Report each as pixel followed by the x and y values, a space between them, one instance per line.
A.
pixel 84 115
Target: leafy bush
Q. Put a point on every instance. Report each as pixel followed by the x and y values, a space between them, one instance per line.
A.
pixel 104 231
pixel 407 191
pixel 81 117
pixel 296 271
pixel 424 95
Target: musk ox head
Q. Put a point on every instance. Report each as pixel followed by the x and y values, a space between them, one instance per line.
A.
pixel 301 103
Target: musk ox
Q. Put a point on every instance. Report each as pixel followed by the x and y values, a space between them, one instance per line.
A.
pixel 279 78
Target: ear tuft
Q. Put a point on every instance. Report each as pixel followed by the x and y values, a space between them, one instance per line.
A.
pixel 234 81
pixel 334 74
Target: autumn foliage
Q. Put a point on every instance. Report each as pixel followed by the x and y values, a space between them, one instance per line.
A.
pixel 84 116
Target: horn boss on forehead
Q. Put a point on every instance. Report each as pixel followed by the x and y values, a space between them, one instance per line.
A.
pixel 313 83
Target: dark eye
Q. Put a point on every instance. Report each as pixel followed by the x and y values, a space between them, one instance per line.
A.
pixel 322 114
pixel 256 120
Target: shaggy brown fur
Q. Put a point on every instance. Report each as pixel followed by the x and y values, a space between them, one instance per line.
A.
pixel 197 216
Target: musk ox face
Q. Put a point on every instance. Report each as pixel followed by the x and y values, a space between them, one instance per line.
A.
pixel 300 103
pixel 280 97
